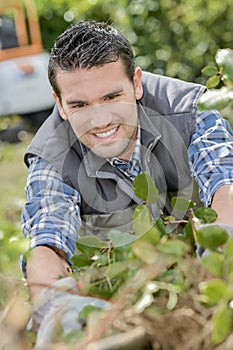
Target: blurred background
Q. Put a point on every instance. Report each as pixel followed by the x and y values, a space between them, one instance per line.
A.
pixel 176 38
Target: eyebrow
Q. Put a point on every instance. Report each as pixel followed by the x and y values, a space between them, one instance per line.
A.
pixel 109 94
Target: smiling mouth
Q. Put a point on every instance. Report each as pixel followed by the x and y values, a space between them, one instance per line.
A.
pixel 106 134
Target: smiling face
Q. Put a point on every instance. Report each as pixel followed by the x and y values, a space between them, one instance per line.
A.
pixel 100 104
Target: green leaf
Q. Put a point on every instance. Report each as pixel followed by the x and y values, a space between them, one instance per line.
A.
pixel 213 82
pixel 224 59
pixel 222 324
pixel 216 98
pixel 117 268
pixel 188 233
pixel 172 301
pixel 213 291
pixel 181 203
pixel 141 220
pixel 145 252
pixel 161 227
pixel 142 225
pixel 214 263
pixel 209 70
pixel 87 310
pixel 119 238
pixel 206 215
pixel 145 301
pixel 228 254
pixel 90 244
pixel 81 260
pixel 211 237
pixel 152 236
pixel 144 188
pixel 174 247
pixel 73 336
pixel 228 249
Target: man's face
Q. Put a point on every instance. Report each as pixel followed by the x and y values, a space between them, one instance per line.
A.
pixel 100 104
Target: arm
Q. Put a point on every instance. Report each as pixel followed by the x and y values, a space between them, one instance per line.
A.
pixel 211 162
pixel 51 219
pixel 222 205
pixel 44 267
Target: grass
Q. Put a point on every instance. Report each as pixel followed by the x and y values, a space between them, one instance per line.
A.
pixel 14 308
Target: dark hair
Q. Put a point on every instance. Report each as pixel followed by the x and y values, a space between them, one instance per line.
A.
pixel 86 44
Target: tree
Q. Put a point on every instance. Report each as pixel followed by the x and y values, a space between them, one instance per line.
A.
pixel 174 38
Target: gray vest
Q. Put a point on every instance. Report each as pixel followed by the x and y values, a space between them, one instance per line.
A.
pixel 167 114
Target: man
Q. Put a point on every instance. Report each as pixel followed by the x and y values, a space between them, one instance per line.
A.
pixel 112 121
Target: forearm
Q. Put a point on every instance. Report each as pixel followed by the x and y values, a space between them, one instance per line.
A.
pixel 222 205
pixel 44 267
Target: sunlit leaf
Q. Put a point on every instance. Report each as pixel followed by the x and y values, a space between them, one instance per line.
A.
pixel 213 82
pixel 89 244
pixel 216 99
pixel 211 237
pixel 87 310
pixel 117 268
pixel 73 336
pixel 224 59
pixel 172 301
pixel 118 238
pixel 206 215
pixel 228 254
pixel 181 203
pixel 145 301
pixel 152 235
pixel 209 70
pixel 222 323
pixel 214 263
pixel 142 225
pixel 213 291
pixel 174 247
pixel 144 188
pixel 228 248
pixel 145 251
pixel 141 220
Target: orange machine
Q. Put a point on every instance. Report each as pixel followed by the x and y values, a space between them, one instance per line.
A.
pixel 27 30
pixel 24 86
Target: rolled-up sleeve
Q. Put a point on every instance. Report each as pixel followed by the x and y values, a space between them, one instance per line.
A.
pixel 51 215
pixel 211 154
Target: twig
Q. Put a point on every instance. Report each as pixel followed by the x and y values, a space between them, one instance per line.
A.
pixel 192 217
pixel 119 303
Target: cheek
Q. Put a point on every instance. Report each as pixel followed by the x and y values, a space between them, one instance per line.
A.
pixel 79 126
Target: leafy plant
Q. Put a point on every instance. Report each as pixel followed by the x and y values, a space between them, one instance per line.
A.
pixel 220 83
pixel 151 272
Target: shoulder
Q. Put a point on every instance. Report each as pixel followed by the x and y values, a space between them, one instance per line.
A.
pixel 169 95
pixel 212 120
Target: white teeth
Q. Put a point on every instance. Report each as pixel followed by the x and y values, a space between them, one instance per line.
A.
pixel 107 133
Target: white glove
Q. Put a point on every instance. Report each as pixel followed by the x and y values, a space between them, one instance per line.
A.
pixel 56 306
pixel 229 229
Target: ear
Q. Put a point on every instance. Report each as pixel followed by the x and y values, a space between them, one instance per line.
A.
pixel 137 81
pixel 61 110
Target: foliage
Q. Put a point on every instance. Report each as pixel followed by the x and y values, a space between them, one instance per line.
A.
pixel 220 84
pixel 150 273
pixel 169 37
pixel 14 308
pixel 151 278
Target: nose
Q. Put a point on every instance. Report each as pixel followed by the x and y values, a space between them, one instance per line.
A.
pixel 100 116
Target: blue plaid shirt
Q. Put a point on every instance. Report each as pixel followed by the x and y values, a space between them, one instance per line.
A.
pixel 51 215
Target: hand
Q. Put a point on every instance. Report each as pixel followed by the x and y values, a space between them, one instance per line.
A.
pixel 228 228
pixel 57 306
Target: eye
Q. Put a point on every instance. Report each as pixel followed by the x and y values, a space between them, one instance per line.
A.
pixel 111 97
pixel 78 105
